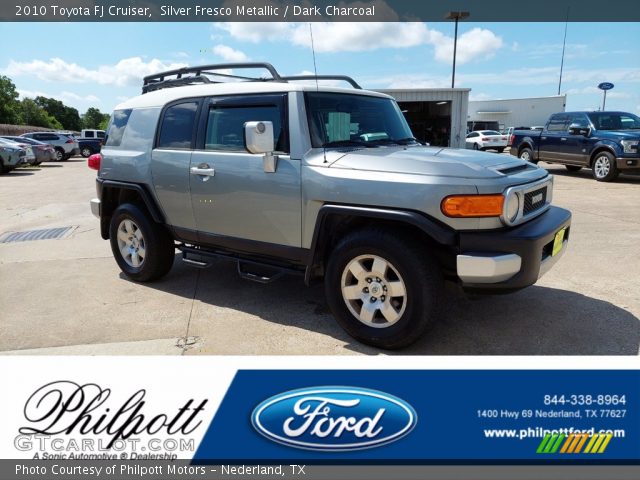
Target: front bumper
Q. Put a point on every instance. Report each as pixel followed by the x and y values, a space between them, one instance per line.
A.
pixel 510 259
pixel 628 163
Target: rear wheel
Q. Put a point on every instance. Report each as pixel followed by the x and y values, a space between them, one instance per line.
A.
pixel 382 289
pixel 142 248
pixel 60 154
pixel 604 167
pixel 86 152
pixel 573 168
pixel 526 154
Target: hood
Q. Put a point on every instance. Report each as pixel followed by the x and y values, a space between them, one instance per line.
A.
pixel 436 161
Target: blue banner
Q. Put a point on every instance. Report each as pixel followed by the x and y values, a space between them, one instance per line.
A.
pixel 427 417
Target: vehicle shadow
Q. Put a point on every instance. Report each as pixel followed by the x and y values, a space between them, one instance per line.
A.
pixel 534 321
pixel 630 178
pixel 19 173
pixel 49 165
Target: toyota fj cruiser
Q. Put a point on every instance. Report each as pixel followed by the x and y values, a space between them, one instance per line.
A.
pixel 326 182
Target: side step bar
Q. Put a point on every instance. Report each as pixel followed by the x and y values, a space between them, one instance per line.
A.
pixel 243 265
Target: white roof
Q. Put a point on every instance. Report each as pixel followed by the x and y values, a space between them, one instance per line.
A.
pixel 159 98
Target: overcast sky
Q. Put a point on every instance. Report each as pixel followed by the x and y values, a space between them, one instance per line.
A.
pixel 101 64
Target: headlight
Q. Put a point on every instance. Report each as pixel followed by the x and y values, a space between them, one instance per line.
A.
pixel 630 146
pixel 511 206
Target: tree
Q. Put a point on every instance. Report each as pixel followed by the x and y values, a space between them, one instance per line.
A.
pixel 33 114
pixel 94 118
pixel 67 116
pixel 9 103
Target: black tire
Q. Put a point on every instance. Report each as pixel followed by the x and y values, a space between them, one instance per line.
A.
pixel 603 167
pixel 3 168
pixel 60 154
pixel 573 168
pixel 526 154
pixel 501 150
pixel 409 263
pixel 159 249
pixel 86 152
pixel 476 147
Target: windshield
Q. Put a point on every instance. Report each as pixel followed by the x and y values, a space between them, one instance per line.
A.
pixel 614 121
pixel 339 120
pixel 490 132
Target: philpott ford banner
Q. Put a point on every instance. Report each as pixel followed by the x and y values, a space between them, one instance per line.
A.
pixel 235 422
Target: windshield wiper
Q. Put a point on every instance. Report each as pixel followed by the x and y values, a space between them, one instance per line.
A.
pixel 399 141
pixel 348 143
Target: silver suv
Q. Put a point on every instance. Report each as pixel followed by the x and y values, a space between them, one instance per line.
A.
pixel 66 146
pixel 325 182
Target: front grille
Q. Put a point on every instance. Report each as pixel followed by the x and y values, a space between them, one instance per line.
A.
pixel 534 200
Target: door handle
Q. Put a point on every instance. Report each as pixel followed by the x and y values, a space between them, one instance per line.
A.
pixel 204 170
pixel 563 139
pixel 543 138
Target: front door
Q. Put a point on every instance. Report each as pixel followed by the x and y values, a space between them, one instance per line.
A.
pixel 233 198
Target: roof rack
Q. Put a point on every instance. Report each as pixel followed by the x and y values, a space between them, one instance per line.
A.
pixel 158 81
pixel 192 75
pixel 344 78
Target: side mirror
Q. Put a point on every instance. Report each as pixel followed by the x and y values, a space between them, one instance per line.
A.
pixel 258 137
pixel 575 129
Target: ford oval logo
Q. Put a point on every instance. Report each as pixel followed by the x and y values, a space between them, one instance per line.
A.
pixel 334 418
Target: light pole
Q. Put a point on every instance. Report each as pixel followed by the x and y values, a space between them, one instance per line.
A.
pixel 455 16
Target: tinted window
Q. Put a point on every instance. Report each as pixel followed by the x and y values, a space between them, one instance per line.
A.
pixel 558 123
pixel 88 134
pixel 472 135
pixel 177 126
pixel 100 134
pixel 225 126
pixel 116 128
pixel 490 132
pixel 615 121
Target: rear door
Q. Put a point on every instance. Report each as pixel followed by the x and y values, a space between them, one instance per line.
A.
pixel 552 139
pixel 233 197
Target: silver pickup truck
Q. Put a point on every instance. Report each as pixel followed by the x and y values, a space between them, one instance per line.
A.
pixel 325 182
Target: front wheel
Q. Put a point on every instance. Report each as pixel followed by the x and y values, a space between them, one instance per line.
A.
pixel 476 146
pixel 382 289
pixel 604 167
pixel 142 248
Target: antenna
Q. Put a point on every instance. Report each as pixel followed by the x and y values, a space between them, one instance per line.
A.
pixel 315 71
pixel 564 43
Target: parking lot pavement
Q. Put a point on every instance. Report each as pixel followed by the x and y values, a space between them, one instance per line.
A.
pixel 67 296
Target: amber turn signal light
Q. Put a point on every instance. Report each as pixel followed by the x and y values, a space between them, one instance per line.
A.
pixel 472 206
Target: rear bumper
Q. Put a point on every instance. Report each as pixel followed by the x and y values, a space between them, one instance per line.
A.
pixel 510 259
pixel 95 207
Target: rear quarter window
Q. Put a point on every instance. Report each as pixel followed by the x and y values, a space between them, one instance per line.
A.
pixel 117 127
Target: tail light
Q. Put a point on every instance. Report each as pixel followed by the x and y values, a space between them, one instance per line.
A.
pixel 94 160
pixel 485 139
pixel 69 141
pixel 511 138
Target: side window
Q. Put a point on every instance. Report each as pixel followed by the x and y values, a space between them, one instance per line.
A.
pixel 225 126
pixel 558 123
pixel 178 121
pixel 579 120
pixel 88 134
pixel 117 127
pixel 100 134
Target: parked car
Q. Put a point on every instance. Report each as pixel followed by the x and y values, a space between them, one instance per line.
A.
pixel 28 157
pixel 89 146
pixel 324 182
pixel 486 140
pixel 44 152
pixel 11 156
pixel 65 145
pixel 92 133
pixel 605 142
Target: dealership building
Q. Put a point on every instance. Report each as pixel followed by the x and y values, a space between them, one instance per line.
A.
pixel 443 116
